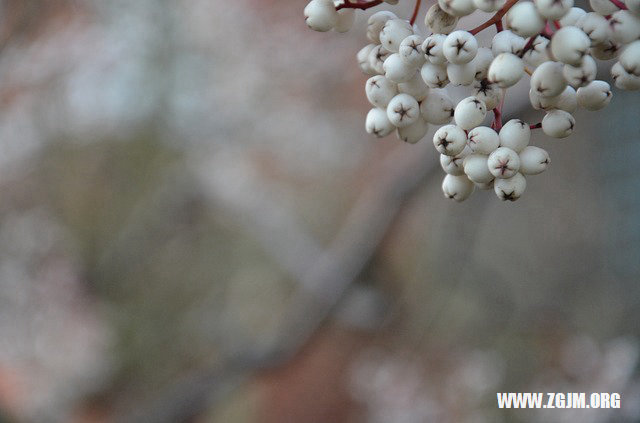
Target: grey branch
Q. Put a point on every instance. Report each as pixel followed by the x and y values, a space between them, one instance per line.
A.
pixel 321 284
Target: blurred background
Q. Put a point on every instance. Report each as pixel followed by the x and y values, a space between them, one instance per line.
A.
pixel 195 227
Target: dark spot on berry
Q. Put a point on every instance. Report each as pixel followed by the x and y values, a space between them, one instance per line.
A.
pixel 460 45
pixel 508 197
pixel 584 79
pixel 444 142
pixel 503 166
pixel 401 111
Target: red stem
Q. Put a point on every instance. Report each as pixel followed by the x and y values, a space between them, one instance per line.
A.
pixel 527 46
pixel 495 18
pixel 557 24
pixel 348 4
pixel 499 27
pixel 536 126
pixel 416 9
pixel 619 4
pixel 497 118
pixel 547 31
pixel 497 113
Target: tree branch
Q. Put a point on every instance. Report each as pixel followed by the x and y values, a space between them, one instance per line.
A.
pixel 320 288
pixel 495 18
pixel 348 4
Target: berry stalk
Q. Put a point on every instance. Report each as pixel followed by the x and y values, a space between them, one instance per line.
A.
pixel 495 18
pixel 348 4
pixel 416 9
pixel 619 4
pixel 528 46
pixel 497 118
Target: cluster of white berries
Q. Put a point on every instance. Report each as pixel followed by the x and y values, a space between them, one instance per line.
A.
pixel 553 42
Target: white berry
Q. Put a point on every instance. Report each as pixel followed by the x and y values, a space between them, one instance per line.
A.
pixel 377 57
pixel 487 92
pixel 503 163
pixel 624 26
pixel 411 52
pixel 483 140
pixel 432 48
pixel 363 59
pixel 481 62
pixel 633 6
pixel 572 17
pixel 469 113
pixel 393 32
pixel 630 58
pixel 463 74
pixel 378 124
pixel 507 42
pixel 606 51
pixel 450 140
pixel 570 44
pixel 415 87
pixel 437 108
pixel 414 132
pixel 396 70
pixel 477 169
pixel 566 101
pixel 321 15
pixel 594 96
pixel 515 135
pixel 623 79
pixel 457 7
pixel 537 54
pixel 457 188
pixel 595 26
pixel 376 23
pixel 581 75
pixel 460 47
pixel 547 80
pixel 603 7
pixel 439 21
pixel 380 91
pixel 435 76
pixel 506 70
pixel 403 110
pixel 452 165
pixel 510 189
pixel 523 19
pixel 553 9
pixel 558 123
pixel 533 160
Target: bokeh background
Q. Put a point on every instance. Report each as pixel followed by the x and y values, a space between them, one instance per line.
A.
pixel 195 227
